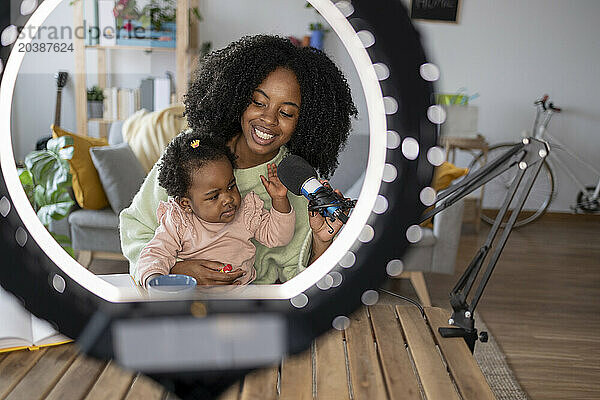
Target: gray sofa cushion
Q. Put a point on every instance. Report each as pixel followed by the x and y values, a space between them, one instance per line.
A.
pixel 120 172
pixel 95 239
pixel 96 230
pixel 103 219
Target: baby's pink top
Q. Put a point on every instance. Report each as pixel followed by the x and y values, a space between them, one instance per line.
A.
pixel 184 235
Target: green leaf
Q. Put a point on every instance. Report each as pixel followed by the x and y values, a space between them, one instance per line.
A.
pixel 39 196
pixel 27 183
pixel 25 177
pixel 61 238
pixel 48 169
pixel 60 196
pixel 66 153
pixel 55 144
pixel 55 211
pixel 197 14
pixel 47 177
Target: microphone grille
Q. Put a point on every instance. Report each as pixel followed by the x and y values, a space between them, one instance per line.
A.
pixel 293 171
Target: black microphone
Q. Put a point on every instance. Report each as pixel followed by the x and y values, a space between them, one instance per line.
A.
pixel 300 178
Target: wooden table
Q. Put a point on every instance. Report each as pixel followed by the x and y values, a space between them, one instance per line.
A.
pixel 387 352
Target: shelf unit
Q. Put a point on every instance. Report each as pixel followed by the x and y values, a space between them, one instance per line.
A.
pixel 185 55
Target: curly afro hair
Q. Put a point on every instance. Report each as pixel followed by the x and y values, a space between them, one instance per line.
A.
pixel 186 153
pixel 222 88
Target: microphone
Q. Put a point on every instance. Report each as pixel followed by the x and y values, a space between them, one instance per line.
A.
pixel 300 178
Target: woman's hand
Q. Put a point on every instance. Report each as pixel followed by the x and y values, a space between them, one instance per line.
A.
pixel 323 233
pixel 276 190
pixel 207 272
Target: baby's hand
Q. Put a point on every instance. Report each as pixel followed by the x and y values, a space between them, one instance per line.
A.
pixel 274 187
pixel 276 190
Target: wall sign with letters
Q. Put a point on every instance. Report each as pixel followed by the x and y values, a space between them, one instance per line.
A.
pixel 435 10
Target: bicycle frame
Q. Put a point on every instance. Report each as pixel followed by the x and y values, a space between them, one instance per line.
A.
pixel 542 119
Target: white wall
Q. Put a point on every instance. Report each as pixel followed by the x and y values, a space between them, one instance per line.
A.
pixel 512 52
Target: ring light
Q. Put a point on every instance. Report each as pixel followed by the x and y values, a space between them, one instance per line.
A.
pixel 396 80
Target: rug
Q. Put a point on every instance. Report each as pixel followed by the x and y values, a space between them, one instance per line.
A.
pixel 492 362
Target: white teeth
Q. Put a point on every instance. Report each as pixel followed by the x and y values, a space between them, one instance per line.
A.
pixel 263 135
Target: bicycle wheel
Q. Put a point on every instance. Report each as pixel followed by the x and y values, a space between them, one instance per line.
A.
pixel 540 196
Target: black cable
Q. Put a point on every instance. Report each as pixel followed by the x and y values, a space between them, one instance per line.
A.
pixel 416 303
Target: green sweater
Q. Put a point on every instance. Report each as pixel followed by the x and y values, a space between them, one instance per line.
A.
pixel 138 222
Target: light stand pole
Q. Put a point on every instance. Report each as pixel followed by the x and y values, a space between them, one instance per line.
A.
pixel 528 156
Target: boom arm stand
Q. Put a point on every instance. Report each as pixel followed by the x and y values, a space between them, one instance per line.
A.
pixel 528 156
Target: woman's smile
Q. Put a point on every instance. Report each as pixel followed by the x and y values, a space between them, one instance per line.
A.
pixel 262 135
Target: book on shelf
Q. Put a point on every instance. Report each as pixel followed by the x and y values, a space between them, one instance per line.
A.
pixel 92 35
pixel 162 93
pixel 22 330
pixel 120 103
pixel 96 33
pixel 147 94
pixel 155 93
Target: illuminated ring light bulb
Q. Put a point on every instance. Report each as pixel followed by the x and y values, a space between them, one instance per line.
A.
pixel 83 297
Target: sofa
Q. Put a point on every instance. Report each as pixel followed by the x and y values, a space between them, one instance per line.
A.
pixel 95 233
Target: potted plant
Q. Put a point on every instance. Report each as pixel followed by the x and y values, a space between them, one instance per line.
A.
pixel 95 99
pixel 46 180
pixel 317 32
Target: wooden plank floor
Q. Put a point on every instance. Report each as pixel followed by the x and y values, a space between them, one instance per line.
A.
pixel 542 303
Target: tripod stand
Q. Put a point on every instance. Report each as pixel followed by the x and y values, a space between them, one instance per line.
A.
pixel 527 156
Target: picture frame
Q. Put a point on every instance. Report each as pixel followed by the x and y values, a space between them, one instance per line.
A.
pixel 435 10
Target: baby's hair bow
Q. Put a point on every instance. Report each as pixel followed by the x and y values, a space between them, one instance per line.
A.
pixel 195 143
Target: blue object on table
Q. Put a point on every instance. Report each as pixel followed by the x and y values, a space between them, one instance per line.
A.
pixel 172 283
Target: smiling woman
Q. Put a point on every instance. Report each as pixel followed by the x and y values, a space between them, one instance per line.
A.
pixel 276 319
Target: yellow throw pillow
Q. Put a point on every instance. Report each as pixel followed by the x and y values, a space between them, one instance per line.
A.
pixel 442 178
pixel 445 174
pixel 86 182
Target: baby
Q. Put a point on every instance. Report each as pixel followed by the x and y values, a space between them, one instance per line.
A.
pixel 205 216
